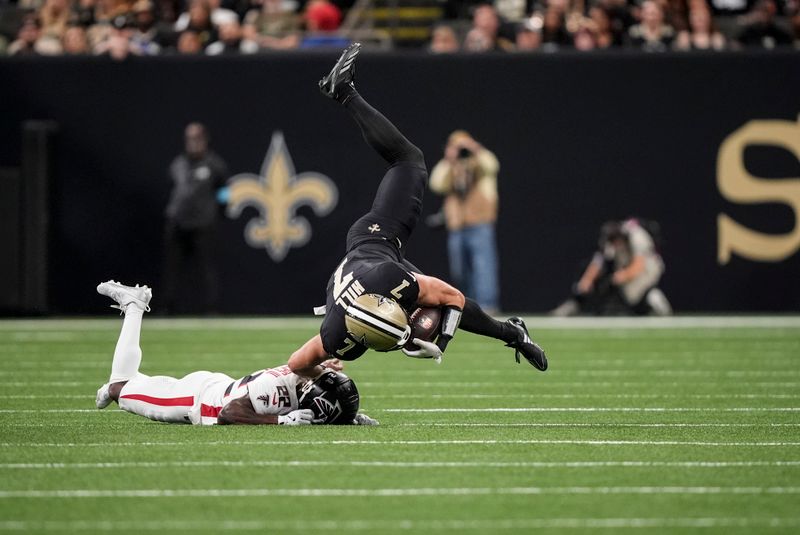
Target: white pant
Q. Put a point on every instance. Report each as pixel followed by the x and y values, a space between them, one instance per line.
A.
pixel 160 398
pixel 166 399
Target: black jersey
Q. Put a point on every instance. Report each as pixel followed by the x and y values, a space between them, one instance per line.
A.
pixel 369 268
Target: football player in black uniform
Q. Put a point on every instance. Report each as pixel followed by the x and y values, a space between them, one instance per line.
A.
pixel 374 286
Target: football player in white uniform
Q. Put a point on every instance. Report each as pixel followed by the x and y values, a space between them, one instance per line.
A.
pixel 269 396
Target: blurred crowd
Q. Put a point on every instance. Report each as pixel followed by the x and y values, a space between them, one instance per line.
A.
pixel 121 28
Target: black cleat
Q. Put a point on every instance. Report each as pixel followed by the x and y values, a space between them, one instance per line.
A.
pixel 523 344
pixel 339 85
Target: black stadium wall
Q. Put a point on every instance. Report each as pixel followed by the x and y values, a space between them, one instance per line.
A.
pixel 708 145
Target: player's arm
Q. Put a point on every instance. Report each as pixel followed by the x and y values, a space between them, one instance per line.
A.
pixel 630 272
pixel 437 293
pixel 307 360
pixel 589 276
pixel 241 411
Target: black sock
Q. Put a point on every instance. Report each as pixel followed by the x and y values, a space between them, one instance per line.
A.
pixel 381 134
pixel 475 320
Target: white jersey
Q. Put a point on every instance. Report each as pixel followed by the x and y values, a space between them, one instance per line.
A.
pixel 271 391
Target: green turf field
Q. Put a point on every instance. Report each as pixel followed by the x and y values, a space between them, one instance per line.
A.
pixel 659 429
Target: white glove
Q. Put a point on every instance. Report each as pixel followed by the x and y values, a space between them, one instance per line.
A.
pixel 363 419
pixel 299 417
pixel 427 350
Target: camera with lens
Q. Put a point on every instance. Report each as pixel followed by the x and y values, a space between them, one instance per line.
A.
pixel 464 153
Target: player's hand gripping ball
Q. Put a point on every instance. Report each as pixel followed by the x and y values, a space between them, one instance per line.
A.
pixel 424 325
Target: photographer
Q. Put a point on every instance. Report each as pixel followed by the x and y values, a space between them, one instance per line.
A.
pixel 623 275
pixel 467 178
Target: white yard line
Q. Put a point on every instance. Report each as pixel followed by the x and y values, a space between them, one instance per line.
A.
pixel 548 382
pixel 516 395
pixel 196 444
pixel 388 492
pixel 592 409
pixel 486 409
pixel 403 464
pixel 59 325
pixel 416 526
pixel 573 373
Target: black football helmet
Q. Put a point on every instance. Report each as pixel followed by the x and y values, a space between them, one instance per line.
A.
pixel 333 397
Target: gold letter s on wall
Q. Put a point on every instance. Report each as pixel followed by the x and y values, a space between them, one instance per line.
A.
pixel 739 186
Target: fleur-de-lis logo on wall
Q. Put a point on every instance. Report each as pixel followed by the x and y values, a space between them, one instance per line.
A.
pixel 277 193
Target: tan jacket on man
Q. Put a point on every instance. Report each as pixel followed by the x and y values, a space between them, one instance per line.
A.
pixel 479 204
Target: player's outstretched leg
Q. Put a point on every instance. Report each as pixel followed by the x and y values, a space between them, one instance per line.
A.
pixel 378 131
pixel 133 301
pixel 513 332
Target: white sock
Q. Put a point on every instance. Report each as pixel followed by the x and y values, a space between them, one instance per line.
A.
pixel 128 354
pixel 658 302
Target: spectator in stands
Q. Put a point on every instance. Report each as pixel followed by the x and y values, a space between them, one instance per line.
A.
pixel 83 13
pixel 529 35
pixel 651 34
pixel 702 34
pixel 167 12
pixel 198 21
pixel 796 29
pixel 117 45
pixel 231 41
pixel 620 18
pixel 75 41
pixel 197 175
pixel 585 38
pixel 204 15
pixel 761 31
pixel 54 17
pixel 467 178
pixel 605 34
pixel 27 36
pixel 274 25
pixel 484 34
pixel 322 19
pixel 189 43
pixel 145 38
pixel 443 40
pixel 676 13
pixel 624 274
pixel 554 29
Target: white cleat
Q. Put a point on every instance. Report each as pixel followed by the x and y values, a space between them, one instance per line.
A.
pixel 103 398
pixel 125 295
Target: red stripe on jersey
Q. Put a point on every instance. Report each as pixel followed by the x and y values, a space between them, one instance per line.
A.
pixel 209 411
pixel 162 402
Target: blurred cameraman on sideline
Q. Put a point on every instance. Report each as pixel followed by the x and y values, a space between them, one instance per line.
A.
pixel 198 178
pixel 467 178
pixel 625 271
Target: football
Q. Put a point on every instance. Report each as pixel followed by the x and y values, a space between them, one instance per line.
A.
pixel 424 323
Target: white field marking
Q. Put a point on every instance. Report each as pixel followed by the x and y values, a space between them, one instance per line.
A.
pixel 386 492
pixel 50 383
pixel 25 411
pixel 591 425
pixel 573 373
pixel 494 396
pixel 300 323
pixel 415 526
pixel 592 409
pixel 403 464
pixel 195 444
pixel 474 424
pixel 517 395
pixel 492 409
pixel 547 383
pixel 51 396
